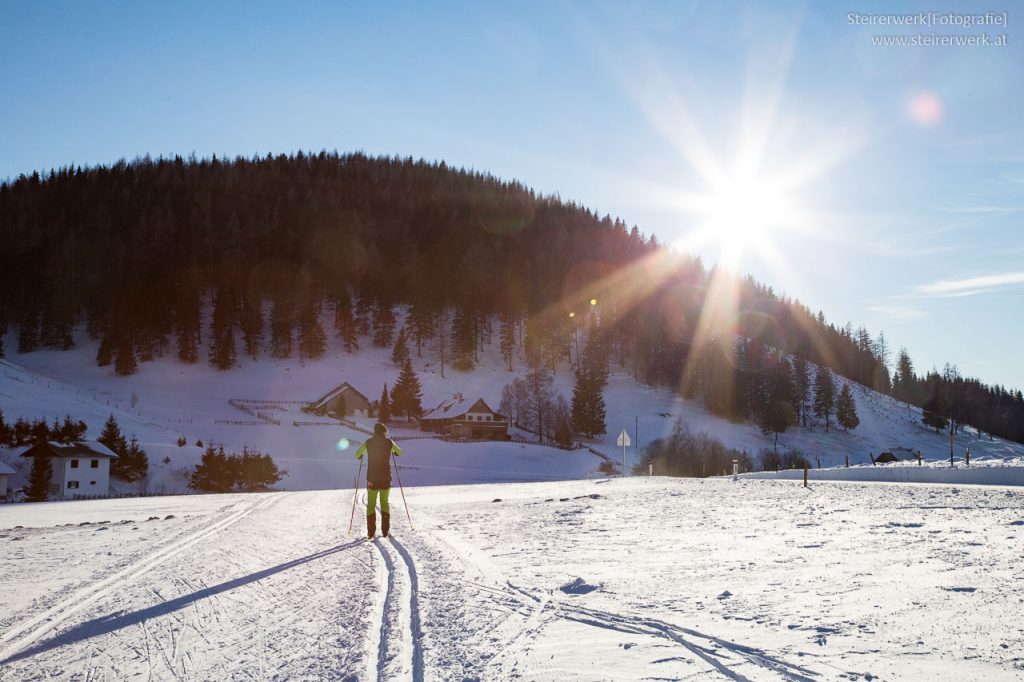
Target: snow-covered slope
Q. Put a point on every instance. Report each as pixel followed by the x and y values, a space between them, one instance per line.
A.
pixel 643 578
pixel 166 399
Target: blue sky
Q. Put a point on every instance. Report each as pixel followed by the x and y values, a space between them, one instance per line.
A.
pixel 895 175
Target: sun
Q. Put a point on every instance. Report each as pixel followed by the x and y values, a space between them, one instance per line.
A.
pixel 742 213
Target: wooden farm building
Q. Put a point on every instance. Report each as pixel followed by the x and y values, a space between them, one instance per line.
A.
pixel 342 401
pixel 464 419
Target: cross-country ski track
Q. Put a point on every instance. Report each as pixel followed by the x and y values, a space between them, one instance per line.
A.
pixel 545 581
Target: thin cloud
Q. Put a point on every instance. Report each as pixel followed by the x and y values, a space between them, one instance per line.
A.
pixel 954 288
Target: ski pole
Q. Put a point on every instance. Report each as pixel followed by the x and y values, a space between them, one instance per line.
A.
pixel 355 494
pixel 400 488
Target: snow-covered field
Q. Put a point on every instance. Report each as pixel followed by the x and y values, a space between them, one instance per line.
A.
pixel 625 579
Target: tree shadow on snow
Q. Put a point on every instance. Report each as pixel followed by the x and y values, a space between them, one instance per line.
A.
pixel 113 622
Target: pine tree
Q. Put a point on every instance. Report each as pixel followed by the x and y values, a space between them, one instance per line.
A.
pixel 281 328
pixel 39 477
pixel 421 323
pixel 124 355
pixel 312 340
pixel 364 306
pixel 562 421
pixel 846 409
pixel 824 394
pixel 539 399
pixel 507 339
pixel 212 474
pixel 343 322
pixel 400 354
pixel 222 330
pixel 250 319
pixel 935 411
pixel 801 389
pixel 407 393
pixel 112 437
pixel 384 406
pixel 383 325
pixel 136 462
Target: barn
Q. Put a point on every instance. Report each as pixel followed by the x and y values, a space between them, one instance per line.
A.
pixel 342 401
pixel 464 419
pixel 79 468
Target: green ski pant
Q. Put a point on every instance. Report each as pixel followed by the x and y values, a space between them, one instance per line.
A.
pixel 371 500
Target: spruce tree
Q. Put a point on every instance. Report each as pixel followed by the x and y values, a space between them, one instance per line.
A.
pixel 281 328
pixel 506 336
pixel 400 353
pixel 846 409
pixel 801 389
pixel 136 461
pixel 39 477
pixel 421 323
pixel 124 355
pixel 312 340
pixel 383 325
pixel 824 394
pixel 384 406
pixel 344 324
pixel 222 330
pixel 250 319
pixel 407 393
pixel 112 437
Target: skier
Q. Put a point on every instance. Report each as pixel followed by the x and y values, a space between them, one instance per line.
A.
pixel 378 477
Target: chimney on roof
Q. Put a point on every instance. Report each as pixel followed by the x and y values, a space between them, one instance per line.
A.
pixel 457 396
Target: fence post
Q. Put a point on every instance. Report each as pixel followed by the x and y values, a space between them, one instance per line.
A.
pixel 805 473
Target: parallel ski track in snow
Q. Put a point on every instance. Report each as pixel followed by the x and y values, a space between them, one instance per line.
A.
pixel 720 654
pixel 397 652
pixel 31 630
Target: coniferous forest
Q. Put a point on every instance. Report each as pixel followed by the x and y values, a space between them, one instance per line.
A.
pixel 247 258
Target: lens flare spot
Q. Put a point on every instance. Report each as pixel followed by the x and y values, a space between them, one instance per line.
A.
pixel 926 109
pixel 343 444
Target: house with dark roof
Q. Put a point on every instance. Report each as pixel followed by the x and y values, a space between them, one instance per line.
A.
pixel 342 401
pixel 79 468
pixel 461 418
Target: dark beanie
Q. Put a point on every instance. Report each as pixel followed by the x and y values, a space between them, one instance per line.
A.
pixel 379 429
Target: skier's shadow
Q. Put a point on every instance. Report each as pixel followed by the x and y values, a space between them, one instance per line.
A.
pixel 113 622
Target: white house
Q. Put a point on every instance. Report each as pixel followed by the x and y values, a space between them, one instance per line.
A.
pixel 5 471
pixel 81 468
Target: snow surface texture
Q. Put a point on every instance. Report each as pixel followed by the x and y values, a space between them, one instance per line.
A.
pixel 626 579
pixel 172 399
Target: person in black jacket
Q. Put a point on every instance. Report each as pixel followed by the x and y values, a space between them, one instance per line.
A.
pixel 379 449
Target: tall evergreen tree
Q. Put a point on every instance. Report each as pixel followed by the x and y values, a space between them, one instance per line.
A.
pixel 124 355
pixel 384 406
pixel 250 319
pixel 281 322
pixel 539 400
pixel 824 395
pixel 39 478
pixel 400 353
pixel 312 340
pixel 506 336
pixel 344 324
pixel 407 394
pixel 383 325
pixel 801 389
pixel 421 323
pixel 222 330
pixel 846 409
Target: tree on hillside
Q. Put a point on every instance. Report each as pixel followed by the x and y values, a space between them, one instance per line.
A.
pixel 132 464
pixel 312 340
pixel 540 397
pixel 39 477
pixel 222 330
pixel 407 394
pixel 561 421
pixel 281 322
pixel 935 411
pixel 400 353
pixel 212 474
pixel 112 437
pixel 824 394
pixel 384 406
pixel 383 324
pixel 250 319
pixel 421 323
pixel 846 409
pixel 344 322
pixel 506 339
pixel 801 389
pixel 514 401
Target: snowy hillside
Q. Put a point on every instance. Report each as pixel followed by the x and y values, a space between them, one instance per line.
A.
pixel 166 399
pixel 645 578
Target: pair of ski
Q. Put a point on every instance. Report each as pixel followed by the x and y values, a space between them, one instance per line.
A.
pixel 355 494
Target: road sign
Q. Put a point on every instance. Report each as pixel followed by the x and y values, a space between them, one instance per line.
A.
pixel 623 440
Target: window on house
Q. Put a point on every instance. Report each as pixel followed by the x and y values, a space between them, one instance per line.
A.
pixel 72 484
pixel 94 464
pixel 74 464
